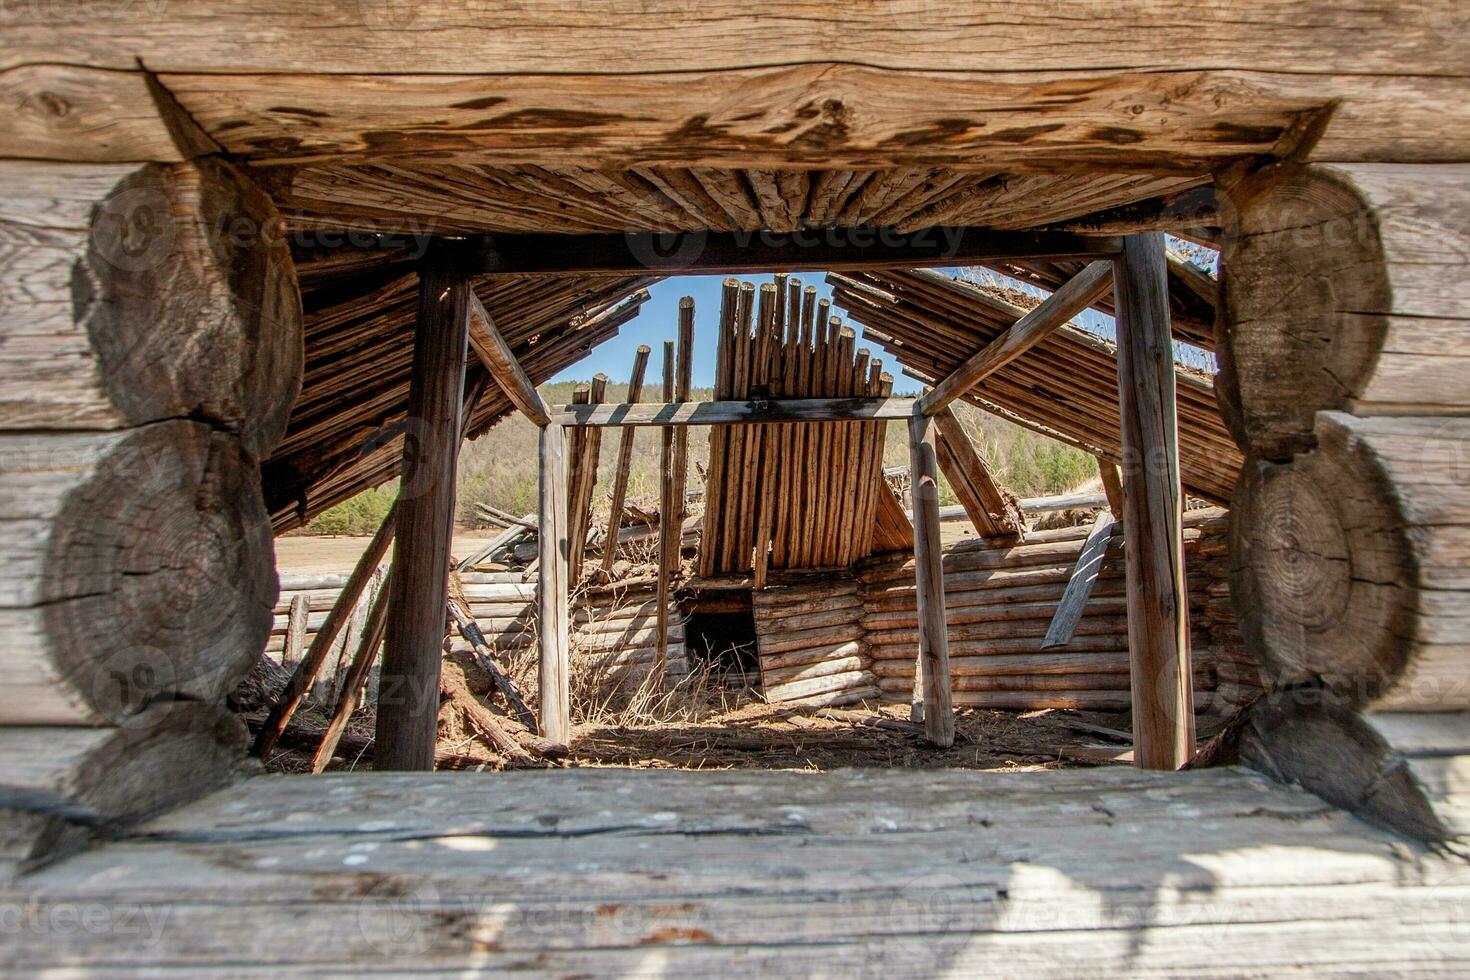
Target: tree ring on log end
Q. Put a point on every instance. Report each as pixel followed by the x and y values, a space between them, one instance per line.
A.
pixel 163 559
pixel 1318 561
pixel 1303 289
pixel 190 300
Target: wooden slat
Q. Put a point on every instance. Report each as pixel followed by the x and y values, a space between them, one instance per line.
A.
pixel 736 412
pixel 625 460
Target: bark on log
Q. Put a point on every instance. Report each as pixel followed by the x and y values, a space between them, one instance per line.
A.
pixel 137 565
pixel 1348 564
pixel 137 294
pixel 60 787
pixel 1342 290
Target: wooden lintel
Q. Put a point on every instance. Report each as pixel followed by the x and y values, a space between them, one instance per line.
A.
pixel 496 355
pixel 711 253
pixel 758 411
pixel 1076 295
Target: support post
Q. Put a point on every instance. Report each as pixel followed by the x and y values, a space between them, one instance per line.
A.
pixel 553 574
pixel 667 508
pixel 1158 629
pixel 929 579
pixel 408 700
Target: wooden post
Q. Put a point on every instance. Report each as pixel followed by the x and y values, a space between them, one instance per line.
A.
pixel 584 482
pixel 296 621
pixel 667 508
pixel 1112 482
pixel 625 462
pixel 1158 629
pixel 553 575
pixel 408 692
pixel 929 579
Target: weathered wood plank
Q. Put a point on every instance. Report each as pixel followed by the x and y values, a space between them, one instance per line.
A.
pixel 498 359
pixel 1158 606
pixel 1079 586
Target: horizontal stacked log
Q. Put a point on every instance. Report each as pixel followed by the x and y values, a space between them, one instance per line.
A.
pixel 809 642
pixel 611 626
pixel 1065 387
pixel 345 430
pixel 793 496
pixel 151 329
pixel 999 603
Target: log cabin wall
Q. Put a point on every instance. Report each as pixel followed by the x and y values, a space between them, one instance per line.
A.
pixel 810 642
pixel 1001 598
pixel 612 626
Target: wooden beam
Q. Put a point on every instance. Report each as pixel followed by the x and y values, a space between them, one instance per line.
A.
pixel 712 253
pixel 1079 586
pixel 496 355
pixel 1192 209
pixel 736 412
pixel 1112 482
pixel 992 511
pixel 933 672
pixel 625 462
pixel 1076 295
pixel 408 690
pixel 552 587
pixel 1158 629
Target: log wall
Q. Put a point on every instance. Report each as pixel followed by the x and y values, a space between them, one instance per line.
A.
pixel 810 643
pixel 1000 601
pixel 150 322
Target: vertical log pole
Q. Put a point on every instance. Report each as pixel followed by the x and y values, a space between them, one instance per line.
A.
pixel 408 701
pixel 553 575
pixel 625 463
pixel 668 509
pixel 1158 628
pixel 929 579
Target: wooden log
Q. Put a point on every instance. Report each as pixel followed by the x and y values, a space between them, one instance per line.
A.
pixel 667 505
pixel 992 511
pixel 1080 292
pixel 1112 482
pixel 753 412
pixel 1079 586
pixel 295 643
pixel 63 787
pixel 553 642
pixel 1342 290
pixel 1348 563
pixel 136 568
pixel 1158 624
pixel 139 294
pixel 498 359
pixel 485 657
pixel 625 459
pixel 583 476
pixel 933 670
pixel 355 680
pixel 408 687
